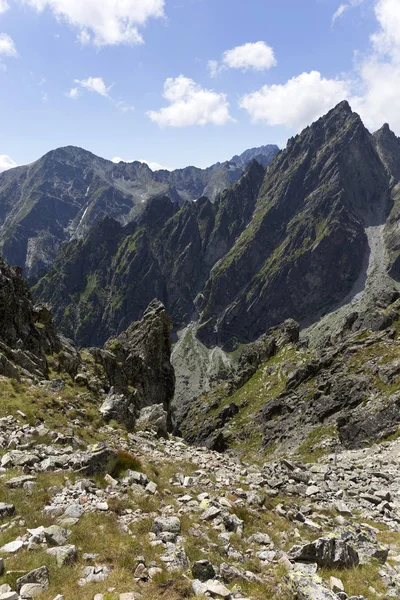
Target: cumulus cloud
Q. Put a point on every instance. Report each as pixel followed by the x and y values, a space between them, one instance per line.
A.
pixel 7 46
pixel 190 104
pixel 4 6
pixel 372 89
pixel 6 163
pixel 379 72
pixel 296 103
pixel 257 56
pixel 104 22
pixel 154 166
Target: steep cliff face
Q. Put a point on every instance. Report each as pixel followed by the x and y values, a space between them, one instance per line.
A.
pixel 317 229
pixel 65 193
pixel 133 369
pixel 100 284
pixel 306 243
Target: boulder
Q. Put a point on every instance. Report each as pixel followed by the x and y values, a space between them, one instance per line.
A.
pixel 326 552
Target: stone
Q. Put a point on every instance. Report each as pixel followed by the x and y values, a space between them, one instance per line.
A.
pixel 31 590
pixel 39 576
pixel 65 555
pixel 99 460
pixel 312 490
pixel 166 524
pixel 309 587
pixel 217 589
pixel 9 596
pixel 153 417
pixel 12 547
pixel 326 552
pixel 211 513
pixel 203 570
pixel 336 585
pixel 151 487
pixel 18 482
pixel 6 510
pixel 56 536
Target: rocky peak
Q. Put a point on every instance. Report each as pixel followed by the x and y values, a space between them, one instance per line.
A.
pixel 388 147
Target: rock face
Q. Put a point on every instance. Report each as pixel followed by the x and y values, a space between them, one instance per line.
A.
pixel 134 370
pixel 100 284
pixel 137 366
pixel 27 333
pixel 62 195
pixel 311 232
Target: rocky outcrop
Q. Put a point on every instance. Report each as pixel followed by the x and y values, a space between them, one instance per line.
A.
pixel 134 370
pixel 137 366
pixel 27 333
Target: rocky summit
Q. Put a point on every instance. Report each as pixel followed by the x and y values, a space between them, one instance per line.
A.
pixel 200 399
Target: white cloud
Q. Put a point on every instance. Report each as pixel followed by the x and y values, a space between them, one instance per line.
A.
pixel 123 106
pixel 104 22
pixel 372 89
pixel 154 166
pixel 94 84
pixel 190 104
pixel 340 12
pixel 343 8
pixel 6 163
pixel 379 72
pixel 257 56
pixel 73 93
pixel 296 103
pixel 4 6
pixel 7 46
pixel 213 67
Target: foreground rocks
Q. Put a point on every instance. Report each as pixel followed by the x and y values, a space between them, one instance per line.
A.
pixel 289 519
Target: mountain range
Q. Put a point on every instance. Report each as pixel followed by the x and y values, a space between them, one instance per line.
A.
pixel 62 195
pixel 293 240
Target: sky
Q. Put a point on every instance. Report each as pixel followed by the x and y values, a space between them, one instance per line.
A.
pixel 188 82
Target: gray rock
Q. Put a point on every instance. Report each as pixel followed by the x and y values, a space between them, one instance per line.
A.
pixel 203 570
pixel 65 555
pixel 6 510
pixel 326 552
pixel 39 576
pixel 56 536
pixel 166 524
pixel 153 417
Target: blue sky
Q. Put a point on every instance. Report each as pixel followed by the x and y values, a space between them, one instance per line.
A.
pixel 136 82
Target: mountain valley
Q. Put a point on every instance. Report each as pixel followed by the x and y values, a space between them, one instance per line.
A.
pixel 199 391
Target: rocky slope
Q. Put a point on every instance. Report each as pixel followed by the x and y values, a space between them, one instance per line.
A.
pixel 63 194
pixel 302 506
pixel 313 233
pixel 130 373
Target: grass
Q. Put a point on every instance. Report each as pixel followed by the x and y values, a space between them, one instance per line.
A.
pixel 309 451
pixel 57 410
pixel 359 580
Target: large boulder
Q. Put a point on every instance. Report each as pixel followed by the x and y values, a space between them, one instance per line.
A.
pixel 331 552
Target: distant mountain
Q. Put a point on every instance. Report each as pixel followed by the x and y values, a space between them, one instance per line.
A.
pixel 318 228
pixel 263 155
pixel 62 195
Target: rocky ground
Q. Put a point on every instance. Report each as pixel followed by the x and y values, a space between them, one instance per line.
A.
pixel 138 516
